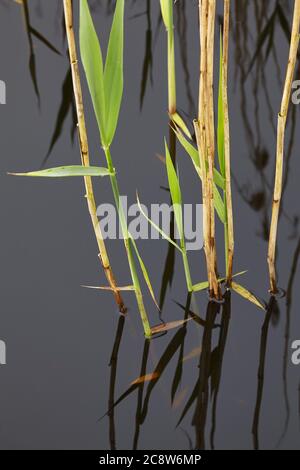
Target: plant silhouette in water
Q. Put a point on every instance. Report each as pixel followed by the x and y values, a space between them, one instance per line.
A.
pixel 106 88
pixel 211 162
pixel 210 177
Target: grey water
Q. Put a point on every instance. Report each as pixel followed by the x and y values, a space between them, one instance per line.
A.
pixel 60 377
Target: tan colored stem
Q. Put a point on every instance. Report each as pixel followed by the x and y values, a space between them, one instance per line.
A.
pixel 205 134
pixel 282 118
pixel 229 211
pixel 84 150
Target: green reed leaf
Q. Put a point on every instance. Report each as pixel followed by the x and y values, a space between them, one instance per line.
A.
pixel 204 285
pixel 67 171
pixel 177 119
pixel 144 270
pixel 218 179
pixel 175 192
pixel 113 72
pixel 189 148
pixel 219 205
pixel 220 132
pixel 159 230
pixel 91 56
pixel 167 13
pixel 194 154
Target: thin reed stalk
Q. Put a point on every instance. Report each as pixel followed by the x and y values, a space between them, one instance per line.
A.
pixel 106 82
pixel 281 126
pixel 84 150
pixel 168 18
pixel 128 242
pixel 205 134
pixel 229 229
pixel 171 67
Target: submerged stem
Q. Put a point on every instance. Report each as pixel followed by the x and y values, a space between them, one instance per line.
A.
pixel 282 118
pixel 84 150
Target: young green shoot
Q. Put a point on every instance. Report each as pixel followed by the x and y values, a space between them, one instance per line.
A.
pixel 105 82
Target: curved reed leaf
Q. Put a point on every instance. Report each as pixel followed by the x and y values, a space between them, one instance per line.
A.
pixel 194 154
pixel 167 13
pixel 246 294
pixel 220 131
pixel 113 72
pixel 159 230
pixel 175 192
pixel 67 171
pixel 124 288
pixel 169 326
pixel 177 119
pixel 219 205
pixel 144 271
pixel 189 148
pixel 204 285
pixel 91 56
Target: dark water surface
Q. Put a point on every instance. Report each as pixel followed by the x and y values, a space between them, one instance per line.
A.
pixel 59 379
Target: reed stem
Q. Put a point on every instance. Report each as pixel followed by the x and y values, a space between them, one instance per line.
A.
pixel 205 134
pixel 229 229
pixel 84 150
pixel 282 118
pixel 128 245
pixel 171 66
pixel 187 272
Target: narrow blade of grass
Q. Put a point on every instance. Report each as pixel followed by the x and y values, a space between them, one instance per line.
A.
pixel 168 326
pixel 67 171
pixel 113 72
pixel 220 132
pixel 91 56
pixel 204 285
pixel 166 11
pixel 125 288
pixel 177 119
pixel 175 192
pixel 159 230
pixel 144 271
pixel 246 294
pixel 219 205
pixel 189 148
pixel 194 154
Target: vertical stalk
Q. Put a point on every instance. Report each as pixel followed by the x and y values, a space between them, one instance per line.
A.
pixel 128 245
pixel 167 11
pixel 205 134
pixel 84 150
pixel 171 65
pixel 187 270
pixel 211 140
pixel 172 108
pixel 282 118
pixel 229 235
